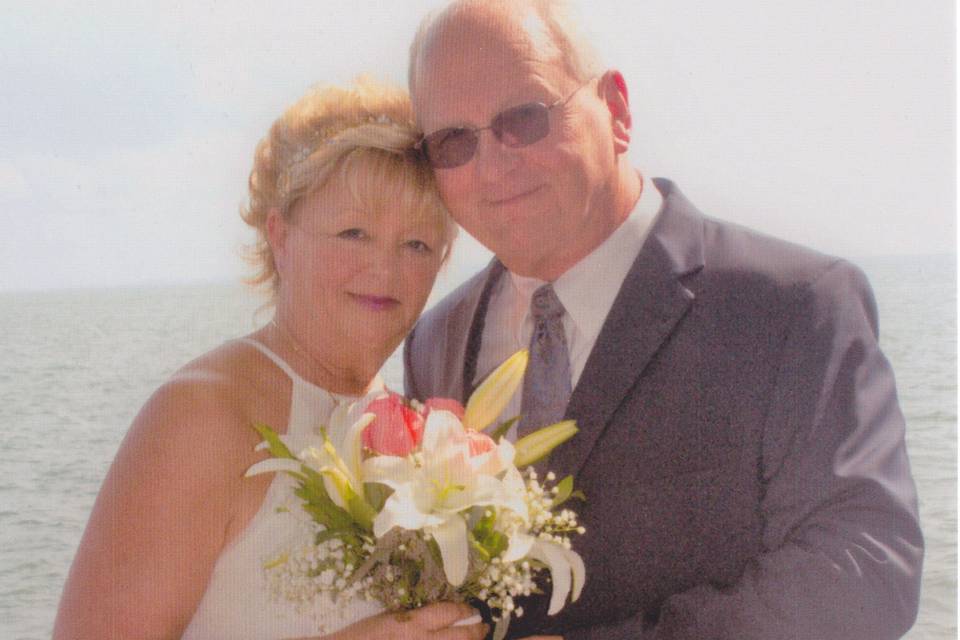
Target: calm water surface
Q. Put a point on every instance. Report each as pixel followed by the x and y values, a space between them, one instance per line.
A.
pixel 77 366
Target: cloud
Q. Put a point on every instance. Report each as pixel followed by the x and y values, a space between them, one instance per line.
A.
pixel 127 128
pixel 164 213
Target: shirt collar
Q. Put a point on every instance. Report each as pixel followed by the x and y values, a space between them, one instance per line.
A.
pixel 588 289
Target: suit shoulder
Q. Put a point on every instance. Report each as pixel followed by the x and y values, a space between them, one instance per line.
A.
pixel 454 304
pixel 757 276
pixel 739 254
pixel 729 251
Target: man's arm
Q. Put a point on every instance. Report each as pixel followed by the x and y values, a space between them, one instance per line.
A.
pixel 843 548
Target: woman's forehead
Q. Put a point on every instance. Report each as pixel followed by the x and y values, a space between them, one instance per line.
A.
pixel 374 190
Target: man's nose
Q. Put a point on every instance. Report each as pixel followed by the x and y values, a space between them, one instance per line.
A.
pixel 493 159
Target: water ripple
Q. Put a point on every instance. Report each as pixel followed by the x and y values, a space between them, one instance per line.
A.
pixel 72 389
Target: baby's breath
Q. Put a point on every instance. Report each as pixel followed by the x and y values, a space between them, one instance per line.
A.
pixel 400 570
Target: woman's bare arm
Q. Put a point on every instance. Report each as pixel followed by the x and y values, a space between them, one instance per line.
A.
pixel 161 517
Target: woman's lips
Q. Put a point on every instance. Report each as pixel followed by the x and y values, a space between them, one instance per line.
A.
pixel 376 303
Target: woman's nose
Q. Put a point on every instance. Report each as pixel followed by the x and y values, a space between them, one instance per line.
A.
pixel 383 260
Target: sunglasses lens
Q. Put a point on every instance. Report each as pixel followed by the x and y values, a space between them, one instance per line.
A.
pixel 523 125
pixel 450 148
pixel 516 127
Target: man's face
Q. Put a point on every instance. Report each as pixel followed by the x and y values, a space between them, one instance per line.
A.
pixel 534 206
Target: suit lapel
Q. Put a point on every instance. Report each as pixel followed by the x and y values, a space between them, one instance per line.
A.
pixel 471 350
pixel 651 301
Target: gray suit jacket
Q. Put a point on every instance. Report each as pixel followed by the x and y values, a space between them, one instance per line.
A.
pixel 741 446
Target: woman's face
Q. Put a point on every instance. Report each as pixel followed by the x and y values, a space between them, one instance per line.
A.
pixel 354 280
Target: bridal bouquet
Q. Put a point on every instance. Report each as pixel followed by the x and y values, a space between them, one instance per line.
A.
pixel 420 505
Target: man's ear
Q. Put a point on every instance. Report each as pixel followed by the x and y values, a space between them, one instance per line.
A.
pixel 277 228
pixel 613 90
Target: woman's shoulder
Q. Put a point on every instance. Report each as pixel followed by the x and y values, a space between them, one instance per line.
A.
pixel 212 382
pixel 223 389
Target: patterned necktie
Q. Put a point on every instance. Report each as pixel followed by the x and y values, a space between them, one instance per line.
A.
pixel 546 385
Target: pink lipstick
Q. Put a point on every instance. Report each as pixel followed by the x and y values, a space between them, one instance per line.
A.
pixel 376 303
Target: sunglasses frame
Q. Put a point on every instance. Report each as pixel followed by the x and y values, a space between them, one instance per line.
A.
pixel 423 144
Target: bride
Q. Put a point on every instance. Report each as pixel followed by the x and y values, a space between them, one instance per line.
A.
pixel 351 234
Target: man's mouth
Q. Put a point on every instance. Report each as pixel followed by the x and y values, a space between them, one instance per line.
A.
pixel 499 200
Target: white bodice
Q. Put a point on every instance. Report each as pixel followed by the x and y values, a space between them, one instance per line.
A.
pixel 238 603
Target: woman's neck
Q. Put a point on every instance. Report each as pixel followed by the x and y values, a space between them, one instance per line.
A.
pixel 314 364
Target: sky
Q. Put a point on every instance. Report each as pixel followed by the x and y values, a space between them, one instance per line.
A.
pixel 127 128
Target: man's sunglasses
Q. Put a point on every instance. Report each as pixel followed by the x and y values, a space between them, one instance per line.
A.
pixel 515 127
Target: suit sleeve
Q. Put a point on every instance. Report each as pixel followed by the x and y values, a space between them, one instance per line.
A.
pixel 842 547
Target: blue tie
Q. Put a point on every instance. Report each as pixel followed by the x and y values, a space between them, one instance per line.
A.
pixel 546 384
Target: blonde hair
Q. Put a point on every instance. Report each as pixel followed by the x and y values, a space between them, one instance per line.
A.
pixel 564 41
pixel 364 135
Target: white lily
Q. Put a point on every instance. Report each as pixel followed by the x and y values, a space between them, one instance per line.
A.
pixel 342 474
pixel 567 571
pixel 434 491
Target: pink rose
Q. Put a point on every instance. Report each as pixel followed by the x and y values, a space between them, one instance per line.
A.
pixel 480 443
pixel 443 404
pixel 396 430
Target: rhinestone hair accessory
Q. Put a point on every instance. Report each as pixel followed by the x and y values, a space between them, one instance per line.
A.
pixel 332 136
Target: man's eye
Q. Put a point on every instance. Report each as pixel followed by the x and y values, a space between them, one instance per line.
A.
pixel 352 234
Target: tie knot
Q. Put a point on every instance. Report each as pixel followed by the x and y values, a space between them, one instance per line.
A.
pixel 545 305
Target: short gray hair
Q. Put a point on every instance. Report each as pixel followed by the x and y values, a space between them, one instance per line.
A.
pixel 576 53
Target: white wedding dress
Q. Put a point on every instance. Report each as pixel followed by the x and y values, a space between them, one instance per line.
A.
pixel 238 603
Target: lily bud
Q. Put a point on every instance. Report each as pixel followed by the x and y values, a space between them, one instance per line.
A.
pixel 493 394
pixel 534 446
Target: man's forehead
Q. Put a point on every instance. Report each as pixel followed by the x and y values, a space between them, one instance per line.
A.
pixel 460 39
pixel 462 56
pixel 472 91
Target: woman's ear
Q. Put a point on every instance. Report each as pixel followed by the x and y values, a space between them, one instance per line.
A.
pixel 613 91
pixel 277 229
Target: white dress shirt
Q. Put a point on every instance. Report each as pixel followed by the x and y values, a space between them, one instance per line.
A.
pixel 587 291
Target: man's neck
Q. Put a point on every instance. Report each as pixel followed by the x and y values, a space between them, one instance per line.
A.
pixel 626 192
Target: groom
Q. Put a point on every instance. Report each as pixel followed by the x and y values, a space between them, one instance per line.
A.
pixel 740 445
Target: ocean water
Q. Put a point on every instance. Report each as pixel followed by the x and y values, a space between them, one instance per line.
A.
pixel 77 365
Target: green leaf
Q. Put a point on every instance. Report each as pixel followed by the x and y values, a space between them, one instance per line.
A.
pixel 496 543
pixel 491 541
pixel 314 484
pixel 329 534
pixel 349 536
pixel 277 448
pixel 480 549
pixel 564 489
pixel 362 513
pixel 376 494
pixel 484 525
pixel 311 491
pixel 501 431
pixel 328 514
pixel 318 503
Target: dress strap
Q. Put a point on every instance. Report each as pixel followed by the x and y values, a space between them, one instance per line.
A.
pixel 277 360
pixel 377 387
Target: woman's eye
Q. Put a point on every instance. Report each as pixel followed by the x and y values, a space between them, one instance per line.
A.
pixel 352 234
pixel 419 246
